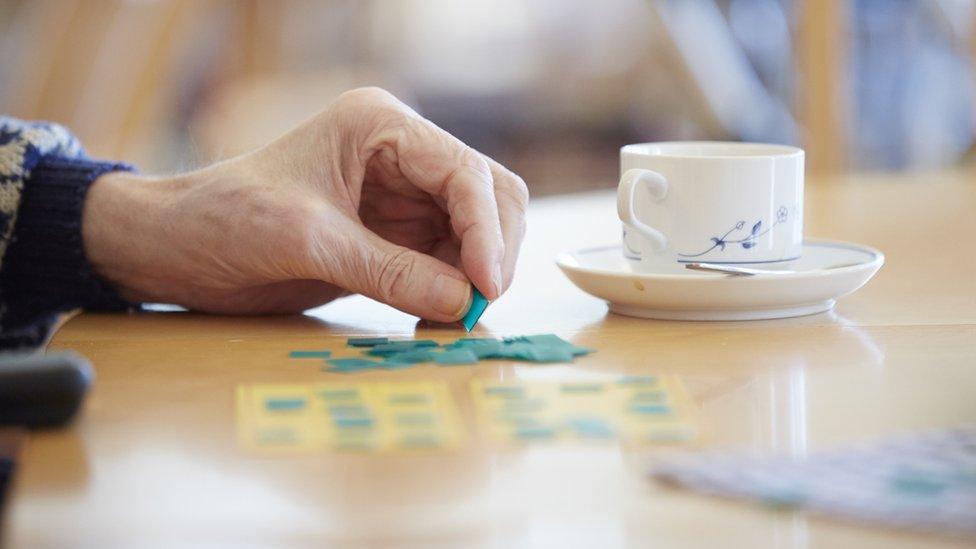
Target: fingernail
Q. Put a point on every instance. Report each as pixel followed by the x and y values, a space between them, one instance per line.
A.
pixel 496 280
pixel 450 296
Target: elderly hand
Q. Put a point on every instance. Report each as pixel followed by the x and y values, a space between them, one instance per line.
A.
pixel 366 197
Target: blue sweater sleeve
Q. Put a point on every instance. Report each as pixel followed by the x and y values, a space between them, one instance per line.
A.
pixel 44 179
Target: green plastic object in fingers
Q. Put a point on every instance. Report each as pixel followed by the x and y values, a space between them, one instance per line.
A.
pixel 478 306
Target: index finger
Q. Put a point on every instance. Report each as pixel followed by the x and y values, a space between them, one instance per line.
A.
pixel 512 198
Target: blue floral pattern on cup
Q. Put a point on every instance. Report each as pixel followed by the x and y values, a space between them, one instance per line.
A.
pixel 749 240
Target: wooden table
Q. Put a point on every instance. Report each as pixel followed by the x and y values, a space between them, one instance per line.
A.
pixel 153 460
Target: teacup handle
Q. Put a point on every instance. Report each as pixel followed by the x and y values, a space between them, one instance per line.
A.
pixel 658 186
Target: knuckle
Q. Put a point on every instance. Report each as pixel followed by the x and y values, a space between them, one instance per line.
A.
pixel 516 188
pixel 471 158
pixel 392 274
pixel 367 95
pixel 373 108
pixel 467 159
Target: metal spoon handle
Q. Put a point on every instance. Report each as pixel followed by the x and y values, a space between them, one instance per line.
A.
pixel 732 269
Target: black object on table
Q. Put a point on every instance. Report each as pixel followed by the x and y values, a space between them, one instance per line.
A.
pixel 38 390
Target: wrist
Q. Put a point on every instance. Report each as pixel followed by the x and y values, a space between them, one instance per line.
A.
pixel 122 234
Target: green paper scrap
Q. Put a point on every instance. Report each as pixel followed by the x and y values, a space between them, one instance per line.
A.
pixel 478 306
pixel 354 422
pixel 487 350
pixel 524 406
pixel 465 341
pixel 542 354
pixel 533 353
pixel 351 364
pixel 657 397
pixel 917 485
pixel 510 351
pixel 637 380
pixel 535 432
pixel 650 409
pixel 412 356
pixel 456 357
pixel 517 419
pixel 397 354
pixel 309 354
pixel 549 340
pixel 392 347
pixel 594 427
pixel 783 499
pixel 284 404
pixel 395 365
pixel 366 341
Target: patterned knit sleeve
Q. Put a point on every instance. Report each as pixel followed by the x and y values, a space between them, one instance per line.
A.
pixel 44 178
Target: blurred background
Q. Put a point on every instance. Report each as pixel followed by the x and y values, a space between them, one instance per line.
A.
pixel 551 88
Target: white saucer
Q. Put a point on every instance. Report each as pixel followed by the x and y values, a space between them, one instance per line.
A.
pixel 826 271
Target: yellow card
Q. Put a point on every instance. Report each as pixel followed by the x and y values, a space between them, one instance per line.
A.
pixel 347 416
pixel 636 410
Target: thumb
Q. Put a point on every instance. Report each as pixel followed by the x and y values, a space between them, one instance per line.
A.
pixel 408 280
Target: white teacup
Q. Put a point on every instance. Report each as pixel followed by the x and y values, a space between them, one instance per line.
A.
pixel 710 201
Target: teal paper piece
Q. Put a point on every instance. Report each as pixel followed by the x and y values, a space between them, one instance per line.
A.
pixel 647 397
pixel 309 354
pixel 484 348
pixel 456 357
pixel 517 419
pixel 466 341
pixel 588 427
pixel 917 485
pixel 395 365
pixel 351 364
pixel 512 351
pixel 339 394
pixel 354 422
pixel 650 409
pixel 549 354
pixel 524 406
pixel 548 340
pixel 478 306
pixel 393 347
pixel 279 404
pixel 534 432
pixel 637 380
pixel 783 499
pixel 366 341
pixel 412 356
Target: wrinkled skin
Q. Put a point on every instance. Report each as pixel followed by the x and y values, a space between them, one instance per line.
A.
pixel 366 197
